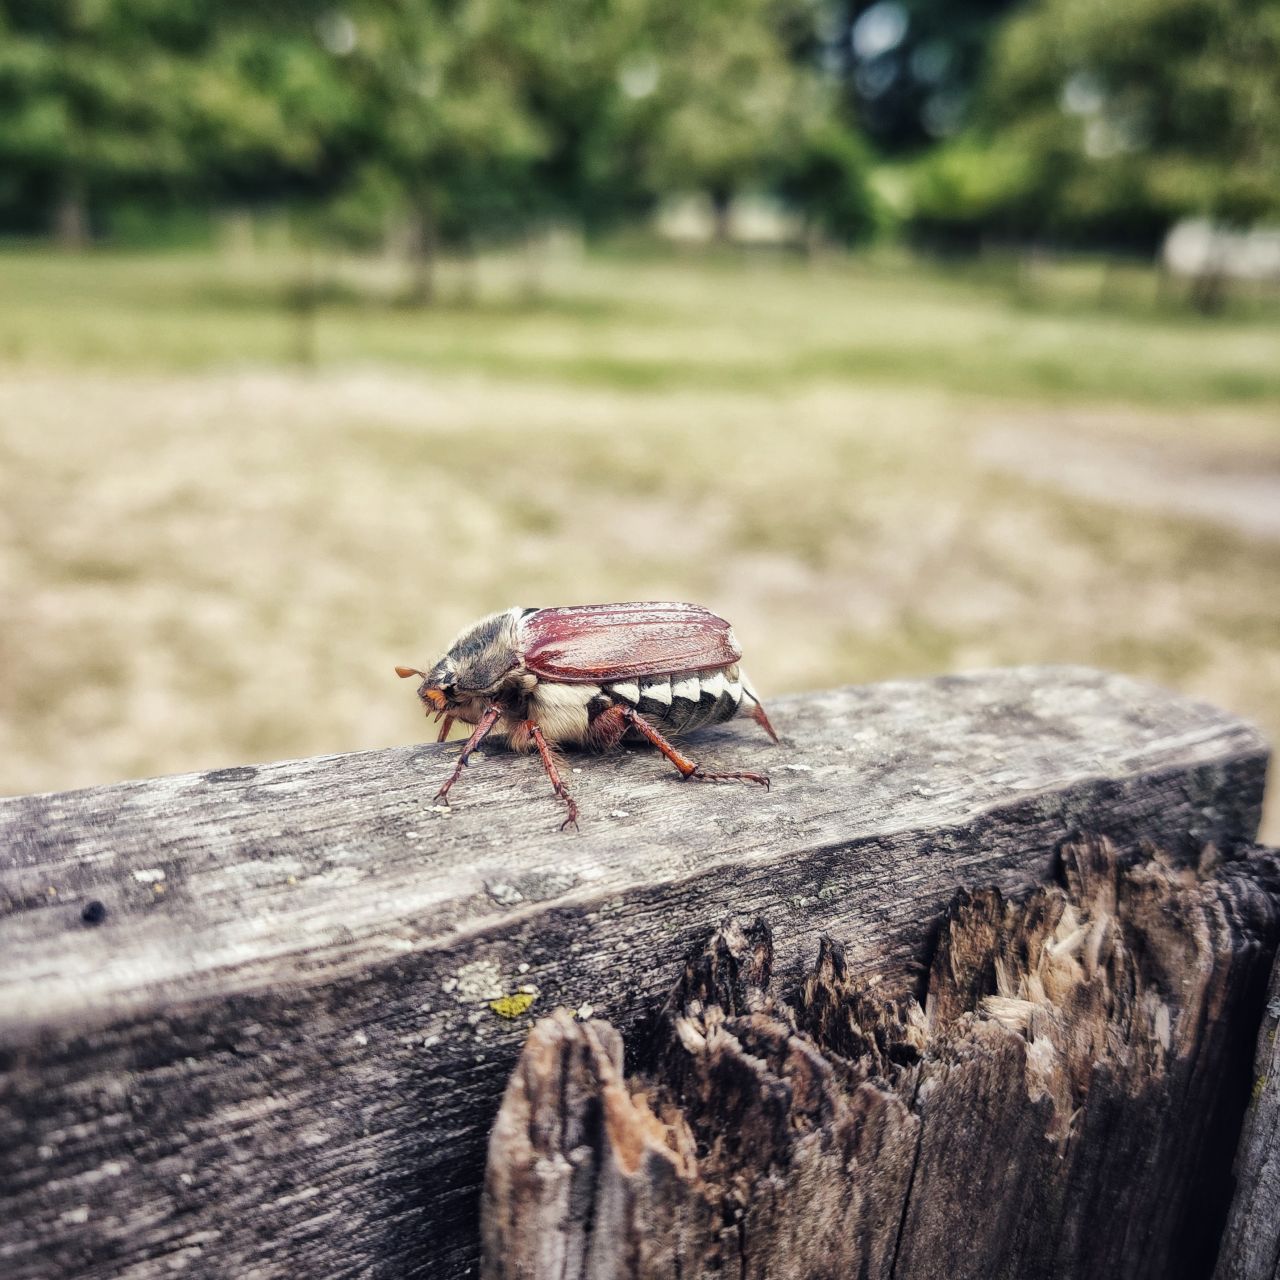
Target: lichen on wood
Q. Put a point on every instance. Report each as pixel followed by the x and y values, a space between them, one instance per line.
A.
pixel 1059 1099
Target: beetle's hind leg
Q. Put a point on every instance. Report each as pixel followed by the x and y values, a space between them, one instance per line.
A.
pixel 627 717
pixel 549 764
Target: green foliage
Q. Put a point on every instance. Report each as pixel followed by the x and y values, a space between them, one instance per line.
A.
pixel 85 102
pixel 1106 120
pixel 827 177
pixel 455 121
pixel 267 112
pixel 484 117
pixel 967 180
pixel 110 100
pixel 460 122
pixel 733 100
pixel 446 138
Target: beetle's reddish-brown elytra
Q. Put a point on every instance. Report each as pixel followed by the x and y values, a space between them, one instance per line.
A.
pixel 591 675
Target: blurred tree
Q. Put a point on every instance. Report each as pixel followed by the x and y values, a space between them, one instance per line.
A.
pixel 490 116
pixel 734 102
pixel 455 120
pixel 102 100
pixel 449 142
pixel 86 106
pixel 1104 121
pixel 825 178
pixel 910 68
pixel 595 76
pixel 269 113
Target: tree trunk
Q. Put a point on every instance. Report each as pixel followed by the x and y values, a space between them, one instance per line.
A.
pixel 533 251
pixel 721 215
pixel 815 243
pixel 71 215
pixel 1209 289
pixel 304 304
pixel 466 292
pixel 422 247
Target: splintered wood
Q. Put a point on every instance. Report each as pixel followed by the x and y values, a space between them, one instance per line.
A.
pixel 1064 1101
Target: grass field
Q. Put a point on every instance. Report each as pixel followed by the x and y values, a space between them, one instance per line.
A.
pixel 223 521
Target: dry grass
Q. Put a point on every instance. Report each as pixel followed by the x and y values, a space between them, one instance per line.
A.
pixel 218 560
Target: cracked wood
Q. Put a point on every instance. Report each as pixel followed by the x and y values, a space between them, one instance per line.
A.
pixel 275 1052
pixel 1061 1103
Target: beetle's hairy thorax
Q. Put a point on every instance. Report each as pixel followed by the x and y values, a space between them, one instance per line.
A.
pixel 483 653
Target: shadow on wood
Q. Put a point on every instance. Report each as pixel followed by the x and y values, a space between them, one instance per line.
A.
pixel 1251 1245
pixel 1063 1103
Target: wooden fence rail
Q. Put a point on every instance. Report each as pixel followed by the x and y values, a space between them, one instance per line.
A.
pixel 257 1022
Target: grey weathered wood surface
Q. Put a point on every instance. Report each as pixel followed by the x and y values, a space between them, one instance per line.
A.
pixel 1061 1102
pixel 279 1058
pixel 1251 1242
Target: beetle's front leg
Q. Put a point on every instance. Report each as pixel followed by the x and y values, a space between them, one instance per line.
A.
pixel 549 764
pixel 487 721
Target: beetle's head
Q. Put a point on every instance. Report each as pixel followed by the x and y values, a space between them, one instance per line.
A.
pixel 439 688
pixel 479 664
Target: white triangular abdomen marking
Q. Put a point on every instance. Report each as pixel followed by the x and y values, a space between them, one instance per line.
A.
pixel 628 691
pixel 657 691
pixel 713 686
pixel 687 688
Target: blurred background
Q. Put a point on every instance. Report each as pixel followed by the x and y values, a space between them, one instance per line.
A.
pixel 913 336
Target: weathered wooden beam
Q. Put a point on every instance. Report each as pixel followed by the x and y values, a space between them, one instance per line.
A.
pixel 275 1054
pixel 1060 1103
pixel 1251 1242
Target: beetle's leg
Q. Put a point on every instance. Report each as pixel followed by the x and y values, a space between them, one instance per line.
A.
pixel 608 728
pixel 688 768
pixel 444 729
pixel 549 764
pixel 487 721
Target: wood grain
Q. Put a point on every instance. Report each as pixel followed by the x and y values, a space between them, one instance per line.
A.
pixel 276 1054
pixel 1061 1104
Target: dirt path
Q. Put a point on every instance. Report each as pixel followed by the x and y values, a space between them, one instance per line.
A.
pixel 1172 479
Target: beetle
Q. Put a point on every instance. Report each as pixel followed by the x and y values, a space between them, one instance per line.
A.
pixel 591 675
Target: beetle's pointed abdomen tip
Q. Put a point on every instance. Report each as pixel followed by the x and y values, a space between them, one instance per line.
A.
pixel 759 716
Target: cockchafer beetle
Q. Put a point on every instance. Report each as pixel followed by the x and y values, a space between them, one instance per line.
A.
pixel 591 675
